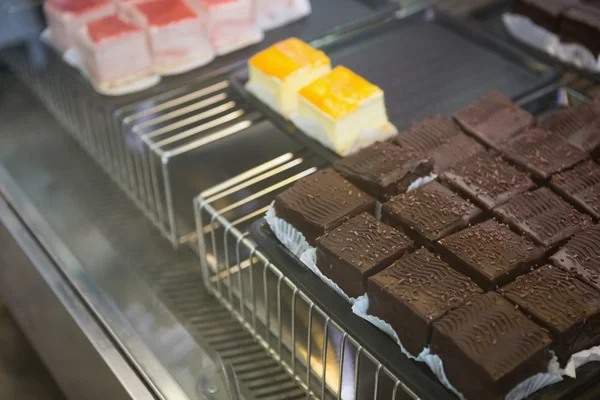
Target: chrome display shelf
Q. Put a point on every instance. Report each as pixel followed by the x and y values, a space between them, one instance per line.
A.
pixel 151 323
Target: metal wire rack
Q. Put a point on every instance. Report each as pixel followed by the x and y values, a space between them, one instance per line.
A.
pixel 137 143
pixel 299 334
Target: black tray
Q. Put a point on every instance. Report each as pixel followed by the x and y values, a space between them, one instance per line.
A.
pixel 426 63
pixel 414 375
pixel 490 19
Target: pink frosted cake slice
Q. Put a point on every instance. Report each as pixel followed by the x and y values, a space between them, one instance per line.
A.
pixel 176 34
pixel 272 14
pixel 231 24
pixel 66 17
pixel 114 52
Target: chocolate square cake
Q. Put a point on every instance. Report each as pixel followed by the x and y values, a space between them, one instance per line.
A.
pixel 581 256
pixel 439 138
pixel 430 212
pixel 568 307
pixel 487 179
pixel 581 185
pixel 457 150
pixel 321 202
pixel 488 347
pixel 543 153
pixel 579 125
pixel 489 253
pixel 545 13
pixel 357 249
pixel 493 119
pixel 428 134
pixel 415 291
pixel 543 217
pixel 384 170
pixel 581 25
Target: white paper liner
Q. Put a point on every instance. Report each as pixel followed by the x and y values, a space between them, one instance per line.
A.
pixel 309 258
pixel 289 236
pixel 364 139
pixel 249 38
pixel 264 95
pixel 283 14
pixel 194 63
pixel 361 308
pixel 421 181
pixel 527 31
pixel 521 391
pixel 71 57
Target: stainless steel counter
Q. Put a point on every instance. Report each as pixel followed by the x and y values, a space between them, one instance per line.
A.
pixel 146 327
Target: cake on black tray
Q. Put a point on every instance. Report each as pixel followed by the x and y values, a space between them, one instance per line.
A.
pixel 384 170
pixel 581 185
pixel 493 119
pixel 543 216
pixel 568 307
pixel 430 212
pixel 415 291
pixel 357 249
pixel 321 202
pixel 581 256
pixel 488 347
pixel 543 153
pixel 440 139
pixel 490 253
pixel 487 179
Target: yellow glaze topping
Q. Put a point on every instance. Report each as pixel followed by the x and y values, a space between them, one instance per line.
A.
pixel 286 57
pixel 340 92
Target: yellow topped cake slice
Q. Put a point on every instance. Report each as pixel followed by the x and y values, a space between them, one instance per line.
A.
pixel 279 72
pixel 344 111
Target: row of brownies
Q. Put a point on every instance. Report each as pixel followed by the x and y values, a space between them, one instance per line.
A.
pixel 491 265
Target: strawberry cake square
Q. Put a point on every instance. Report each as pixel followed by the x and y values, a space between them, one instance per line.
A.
pixel 178 40
pixel 66 17
pixel 231 24
pixel 273 14
pixel 113 52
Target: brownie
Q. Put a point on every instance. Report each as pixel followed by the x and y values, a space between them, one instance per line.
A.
pixel 438 138
pixel 384 170
pixel 580 125
pixel 568 307
pixel 488 347
pixel 543 217
pixel 415 291
pixel 487 179
pixel 489 253
pixel 581 256
pixel 544 13
pixel 493 119
pixel 581 25
pixel 357 249
pixel 430 212
pixel 543 153
pixel 321 202
pixel 581 185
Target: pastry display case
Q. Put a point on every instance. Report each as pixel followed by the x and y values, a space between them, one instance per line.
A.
pixel 136 255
